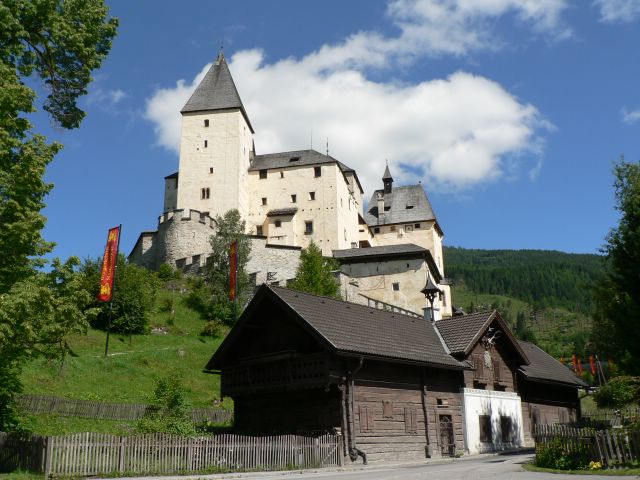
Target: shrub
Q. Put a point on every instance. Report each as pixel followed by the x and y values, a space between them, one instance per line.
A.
pixel 619 392
pixel 169 409
pixel 214 328
pixel 556 455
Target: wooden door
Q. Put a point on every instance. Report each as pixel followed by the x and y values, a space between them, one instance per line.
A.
pixel 447 437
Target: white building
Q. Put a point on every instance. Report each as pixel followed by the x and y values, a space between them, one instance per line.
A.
pixel 288 200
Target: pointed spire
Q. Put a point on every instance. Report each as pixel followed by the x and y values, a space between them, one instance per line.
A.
pixel 387 180
pixel 216 91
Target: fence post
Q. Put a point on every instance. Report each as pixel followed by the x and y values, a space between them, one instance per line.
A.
pixel 190 454
pixel 123 441
pixel 47 456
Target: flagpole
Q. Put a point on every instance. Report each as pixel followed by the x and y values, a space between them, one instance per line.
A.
pixel 113 292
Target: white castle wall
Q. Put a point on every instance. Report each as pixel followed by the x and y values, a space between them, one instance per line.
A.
pixel 220 164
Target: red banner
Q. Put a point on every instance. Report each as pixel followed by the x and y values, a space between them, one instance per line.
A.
pixel 574 362
pixel 233 270
pixel 592 364
pixel 109 261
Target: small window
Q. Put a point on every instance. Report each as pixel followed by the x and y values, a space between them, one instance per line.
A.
pixel 259 230
pixel 308 227
pixel 278 223
pixel 294 198
pixel 396 286
pixel 294 159
pixel 204 193
pixel 281 174
pixel 210 169
pixel 206 122
pixel 376 229
pixel 263 174
pixel 485 428
pixel 417 225
pixel 206 143
pixel 506 425
pixel 264 200
pixel 442 402
pixel 312 195
pixel 317 171
pixel 408 228
pixel 409 207
pixel 393 228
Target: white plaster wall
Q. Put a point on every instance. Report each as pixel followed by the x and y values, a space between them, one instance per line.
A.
pixel 492 403
pixel 229 141
pixel 281 262
pixel 330 212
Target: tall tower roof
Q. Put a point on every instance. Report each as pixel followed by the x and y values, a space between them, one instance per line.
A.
pixel 387 174
pixel 216 91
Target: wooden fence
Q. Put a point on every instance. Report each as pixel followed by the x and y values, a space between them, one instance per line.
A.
pixel 22 452
pixel 612 418
pixel 612 448
pixel 101 454
pixel 108 411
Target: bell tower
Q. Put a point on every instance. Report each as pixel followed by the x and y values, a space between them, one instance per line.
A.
pixel 215 147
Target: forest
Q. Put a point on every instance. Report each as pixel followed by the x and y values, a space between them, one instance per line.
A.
pixel 541 278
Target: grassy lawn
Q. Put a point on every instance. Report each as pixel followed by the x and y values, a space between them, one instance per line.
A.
pixel 616 473
pixel 129 373
pixel 21 476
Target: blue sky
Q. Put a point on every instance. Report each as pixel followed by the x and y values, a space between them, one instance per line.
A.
pixel 510 112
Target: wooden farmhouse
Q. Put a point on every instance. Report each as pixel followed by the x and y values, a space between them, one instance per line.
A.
pixel 395 386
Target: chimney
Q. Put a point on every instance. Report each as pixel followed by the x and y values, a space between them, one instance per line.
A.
pixel 380 207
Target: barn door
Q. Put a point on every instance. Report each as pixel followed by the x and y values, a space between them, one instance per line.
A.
pixel 447 439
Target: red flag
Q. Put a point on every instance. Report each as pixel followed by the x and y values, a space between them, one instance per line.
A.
pixel 574 362
pixel 109 262
pixel 592 364
pixel 579 365
pixel 233 270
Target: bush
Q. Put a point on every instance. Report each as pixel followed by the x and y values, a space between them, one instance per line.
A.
pixel 618 393
pixel 214 328
pixel 169 410
pixel 556 455
pixel 166 272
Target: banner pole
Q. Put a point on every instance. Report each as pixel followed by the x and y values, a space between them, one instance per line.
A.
pixel 113 292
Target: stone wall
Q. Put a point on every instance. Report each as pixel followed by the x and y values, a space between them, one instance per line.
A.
pixel 279 261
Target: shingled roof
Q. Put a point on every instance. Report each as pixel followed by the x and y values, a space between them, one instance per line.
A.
pixel 356 329
pixel 463 332
pixel 298 158
pixel 544 367
pixel 405 204
pixel 216 91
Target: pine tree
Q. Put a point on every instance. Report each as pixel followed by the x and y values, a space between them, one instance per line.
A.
pixel 315 273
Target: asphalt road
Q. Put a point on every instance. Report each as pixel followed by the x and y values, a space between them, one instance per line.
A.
pixel 505 467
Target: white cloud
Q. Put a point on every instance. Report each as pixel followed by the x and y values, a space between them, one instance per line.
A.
pixel 106 100
pixel 630 117
pixel 458 131
pixel 622 11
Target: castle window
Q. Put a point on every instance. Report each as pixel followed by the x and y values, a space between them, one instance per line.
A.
pixel 210 169
pixel 278 223
pixel 206 122
pixel 205 193
pixel 308 227
pixel 206 143
pixel 376 230
pixel 264 200
pixel 294 198
pixel 396 286
pixel 341 203
pixel 263 174
pixel 417 225
pixel 259 230
pixel 312 195
pixel 317 171
pixel 393 228
pixel 282 174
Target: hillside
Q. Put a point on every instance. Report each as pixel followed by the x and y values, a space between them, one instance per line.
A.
pixel 549 290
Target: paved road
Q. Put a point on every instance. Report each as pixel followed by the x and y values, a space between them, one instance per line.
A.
pixel 507 467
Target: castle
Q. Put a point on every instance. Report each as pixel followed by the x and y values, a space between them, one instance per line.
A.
pixel 289 199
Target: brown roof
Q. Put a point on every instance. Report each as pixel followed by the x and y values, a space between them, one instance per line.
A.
pixel 282 212
pixel 463 332
pixel 544 367
pixel 350 328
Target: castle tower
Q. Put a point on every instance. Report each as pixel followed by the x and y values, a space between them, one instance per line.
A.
pixel 216 146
